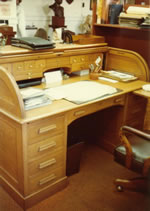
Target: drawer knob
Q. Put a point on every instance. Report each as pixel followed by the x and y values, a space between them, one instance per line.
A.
pixel 47 129
pixel 47 146
pixel 47 179
pixel 117 100
pixel 47 163
pixel 74 60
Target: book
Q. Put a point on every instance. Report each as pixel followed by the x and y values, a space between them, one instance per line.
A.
pixel 114 12
pixel 33 43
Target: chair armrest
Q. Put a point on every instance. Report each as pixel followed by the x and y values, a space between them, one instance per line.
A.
pixel 136 132
pixel 125 142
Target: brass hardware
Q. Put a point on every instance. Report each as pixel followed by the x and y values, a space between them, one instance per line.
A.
pixel 47 179
pixel 78 113
pixel 47 129
pixel 47 163
pixel 47 146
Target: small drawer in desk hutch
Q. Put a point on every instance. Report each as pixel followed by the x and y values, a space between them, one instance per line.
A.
pixel 28 69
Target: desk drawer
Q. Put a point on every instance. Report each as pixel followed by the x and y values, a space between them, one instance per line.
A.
pixel 92 57
pixel 63 61
pixel 136 108
pixel 43 180
pixel 77 113
pixel 136 122
pixel 51 63
pixel 49 145
pixel 80 66
pixel 47 163
pixel 40 64
pixel 45 128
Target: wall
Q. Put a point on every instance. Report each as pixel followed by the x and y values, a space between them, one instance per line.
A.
pixel 8 12
pixel 39 14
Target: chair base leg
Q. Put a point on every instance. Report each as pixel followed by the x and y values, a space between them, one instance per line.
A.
pixel 135 184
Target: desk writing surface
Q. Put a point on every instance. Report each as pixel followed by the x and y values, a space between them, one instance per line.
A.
pixel 62 106
pixel 142 93
pixel 39 128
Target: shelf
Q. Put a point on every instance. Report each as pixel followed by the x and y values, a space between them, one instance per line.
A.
pixel 121 27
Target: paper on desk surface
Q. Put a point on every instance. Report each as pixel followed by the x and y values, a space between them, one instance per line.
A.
pixel 80 92
pixel 107 79
pixel 31 92
pixel 53 77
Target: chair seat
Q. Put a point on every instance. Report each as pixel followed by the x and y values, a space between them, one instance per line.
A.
pixel 141 151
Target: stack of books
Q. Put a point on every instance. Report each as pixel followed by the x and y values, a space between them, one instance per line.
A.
pixel 130 20
pixel 134 16
pixel 33 43
pixel 34 98
pixel 146 23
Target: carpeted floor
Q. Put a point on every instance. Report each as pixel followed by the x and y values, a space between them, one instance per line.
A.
pixel 91 189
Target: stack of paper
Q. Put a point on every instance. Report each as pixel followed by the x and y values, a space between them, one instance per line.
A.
pixel 34 98
pixel 130 20
pixel 118 75
pixel 81 92
pixel 134 16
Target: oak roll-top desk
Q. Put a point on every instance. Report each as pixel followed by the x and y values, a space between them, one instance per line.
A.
pixel 33 143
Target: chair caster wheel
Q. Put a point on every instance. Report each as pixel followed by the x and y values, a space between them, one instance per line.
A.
pixel 119 188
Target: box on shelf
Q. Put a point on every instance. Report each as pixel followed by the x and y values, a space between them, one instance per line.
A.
pixel 87 39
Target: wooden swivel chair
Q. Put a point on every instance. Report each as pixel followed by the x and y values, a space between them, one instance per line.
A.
pixel 134 154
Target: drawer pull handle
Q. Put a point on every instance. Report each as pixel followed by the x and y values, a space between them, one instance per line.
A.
pixel 47 163
pixel 136 111
pixel 46 129
pixel 47 179
pixel 59 54
pixel 47 146
pixel 117 100
pixel 78 113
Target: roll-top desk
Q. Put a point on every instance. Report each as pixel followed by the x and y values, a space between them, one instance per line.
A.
pixel 33 143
